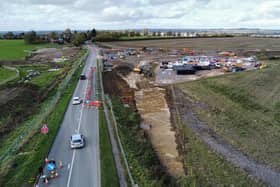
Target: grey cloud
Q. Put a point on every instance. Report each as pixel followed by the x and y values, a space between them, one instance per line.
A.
pixel 47 14
pixel 52 2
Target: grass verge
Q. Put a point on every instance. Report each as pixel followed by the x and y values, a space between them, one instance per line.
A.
pixel 108 169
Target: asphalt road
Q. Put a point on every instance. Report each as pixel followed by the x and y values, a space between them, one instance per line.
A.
pixel 81 167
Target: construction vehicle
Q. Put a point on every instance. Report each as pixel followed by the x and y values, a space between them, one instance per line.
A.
pixel 136 69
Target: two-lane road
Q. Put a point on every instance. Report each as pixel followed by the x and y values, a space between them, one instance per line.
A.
pixel 81 167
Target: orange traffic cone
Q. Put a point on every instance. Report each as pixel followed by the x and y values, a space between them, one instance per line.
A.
pixel 46 181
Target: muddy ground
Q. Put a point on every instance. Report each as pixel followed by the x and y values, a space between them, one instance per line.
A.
pixel 50 54
pixel 207 44
pixel 16 103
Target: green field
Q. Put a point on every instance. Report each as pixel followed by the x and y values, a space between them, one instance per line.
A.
pixel 17 49
pixel 6 74
pixel 45 78
pixel 244 109
pixel 207 168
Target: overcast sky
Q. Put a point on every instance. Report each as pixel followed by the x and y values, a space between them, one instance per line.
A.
pixel 124 14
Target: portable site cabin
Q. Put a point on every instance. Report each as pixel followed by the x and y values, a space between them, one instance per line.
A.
pixel 184 69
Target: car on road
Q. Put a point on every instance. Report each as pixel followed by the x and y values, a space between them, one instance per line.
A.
pixel 77 101
pixel 83 77
pixel 77 141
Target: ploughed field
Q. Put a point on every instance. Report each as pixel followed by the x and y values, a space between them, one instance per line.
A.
pixel 222 44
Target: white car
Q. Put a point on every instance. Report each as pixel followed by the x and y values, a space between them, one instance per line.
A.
pixel 77 141
pixel 77 101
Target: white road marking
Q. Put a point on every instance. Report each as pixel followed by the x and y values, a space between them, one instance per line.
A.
pixel 68 166
pixel 79 126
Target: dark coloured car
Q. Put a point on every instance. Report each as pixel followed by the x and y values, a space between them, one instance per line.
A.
pixel 83 77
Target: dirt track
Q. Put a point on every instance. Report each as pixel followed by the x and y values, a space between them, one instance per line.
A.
pixel 262 172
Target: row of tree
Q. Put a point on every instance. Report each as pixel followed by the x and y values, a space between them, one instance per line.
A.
pixel 78 38
pixel 67 36
pixel 11 35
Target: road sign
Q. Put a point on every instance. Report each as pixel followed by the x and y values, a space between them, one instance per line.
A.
pixel 95 103
pixel 44 129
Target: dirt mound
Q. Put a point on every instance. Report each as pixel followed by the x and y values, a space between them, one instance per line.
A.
pixel 123 68
pixel 115 85
pixel 132 80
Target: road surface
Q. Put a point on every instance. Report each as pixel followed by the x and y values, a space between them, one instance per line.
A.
pixel 81 167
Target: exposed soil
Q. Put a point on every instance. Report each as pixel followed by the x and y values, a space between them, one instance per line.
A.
pixel 262 172
pixel 49 54
pixel 16 103
pixel 132 80
pixel 154 111
pixel 115 86
pixel 222 44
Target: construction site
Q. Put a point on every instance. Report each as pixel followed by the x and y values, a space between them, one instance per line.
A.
pixel 146 80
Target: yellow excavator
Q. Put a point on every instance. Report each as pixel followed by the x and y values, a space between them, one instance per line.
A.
pixel 136 69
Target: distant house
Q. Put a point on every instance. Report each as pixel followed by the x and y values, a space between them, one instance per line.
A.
pixel 58 41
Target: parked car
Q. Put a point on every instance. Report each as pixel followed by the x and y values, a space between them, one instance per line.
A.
pixel 236 69
pixel 77 141
pixel 77 101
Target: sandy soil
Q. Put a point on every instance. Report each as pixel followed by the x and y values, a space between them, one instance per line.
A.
pixel 154 110
pixel 132 79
